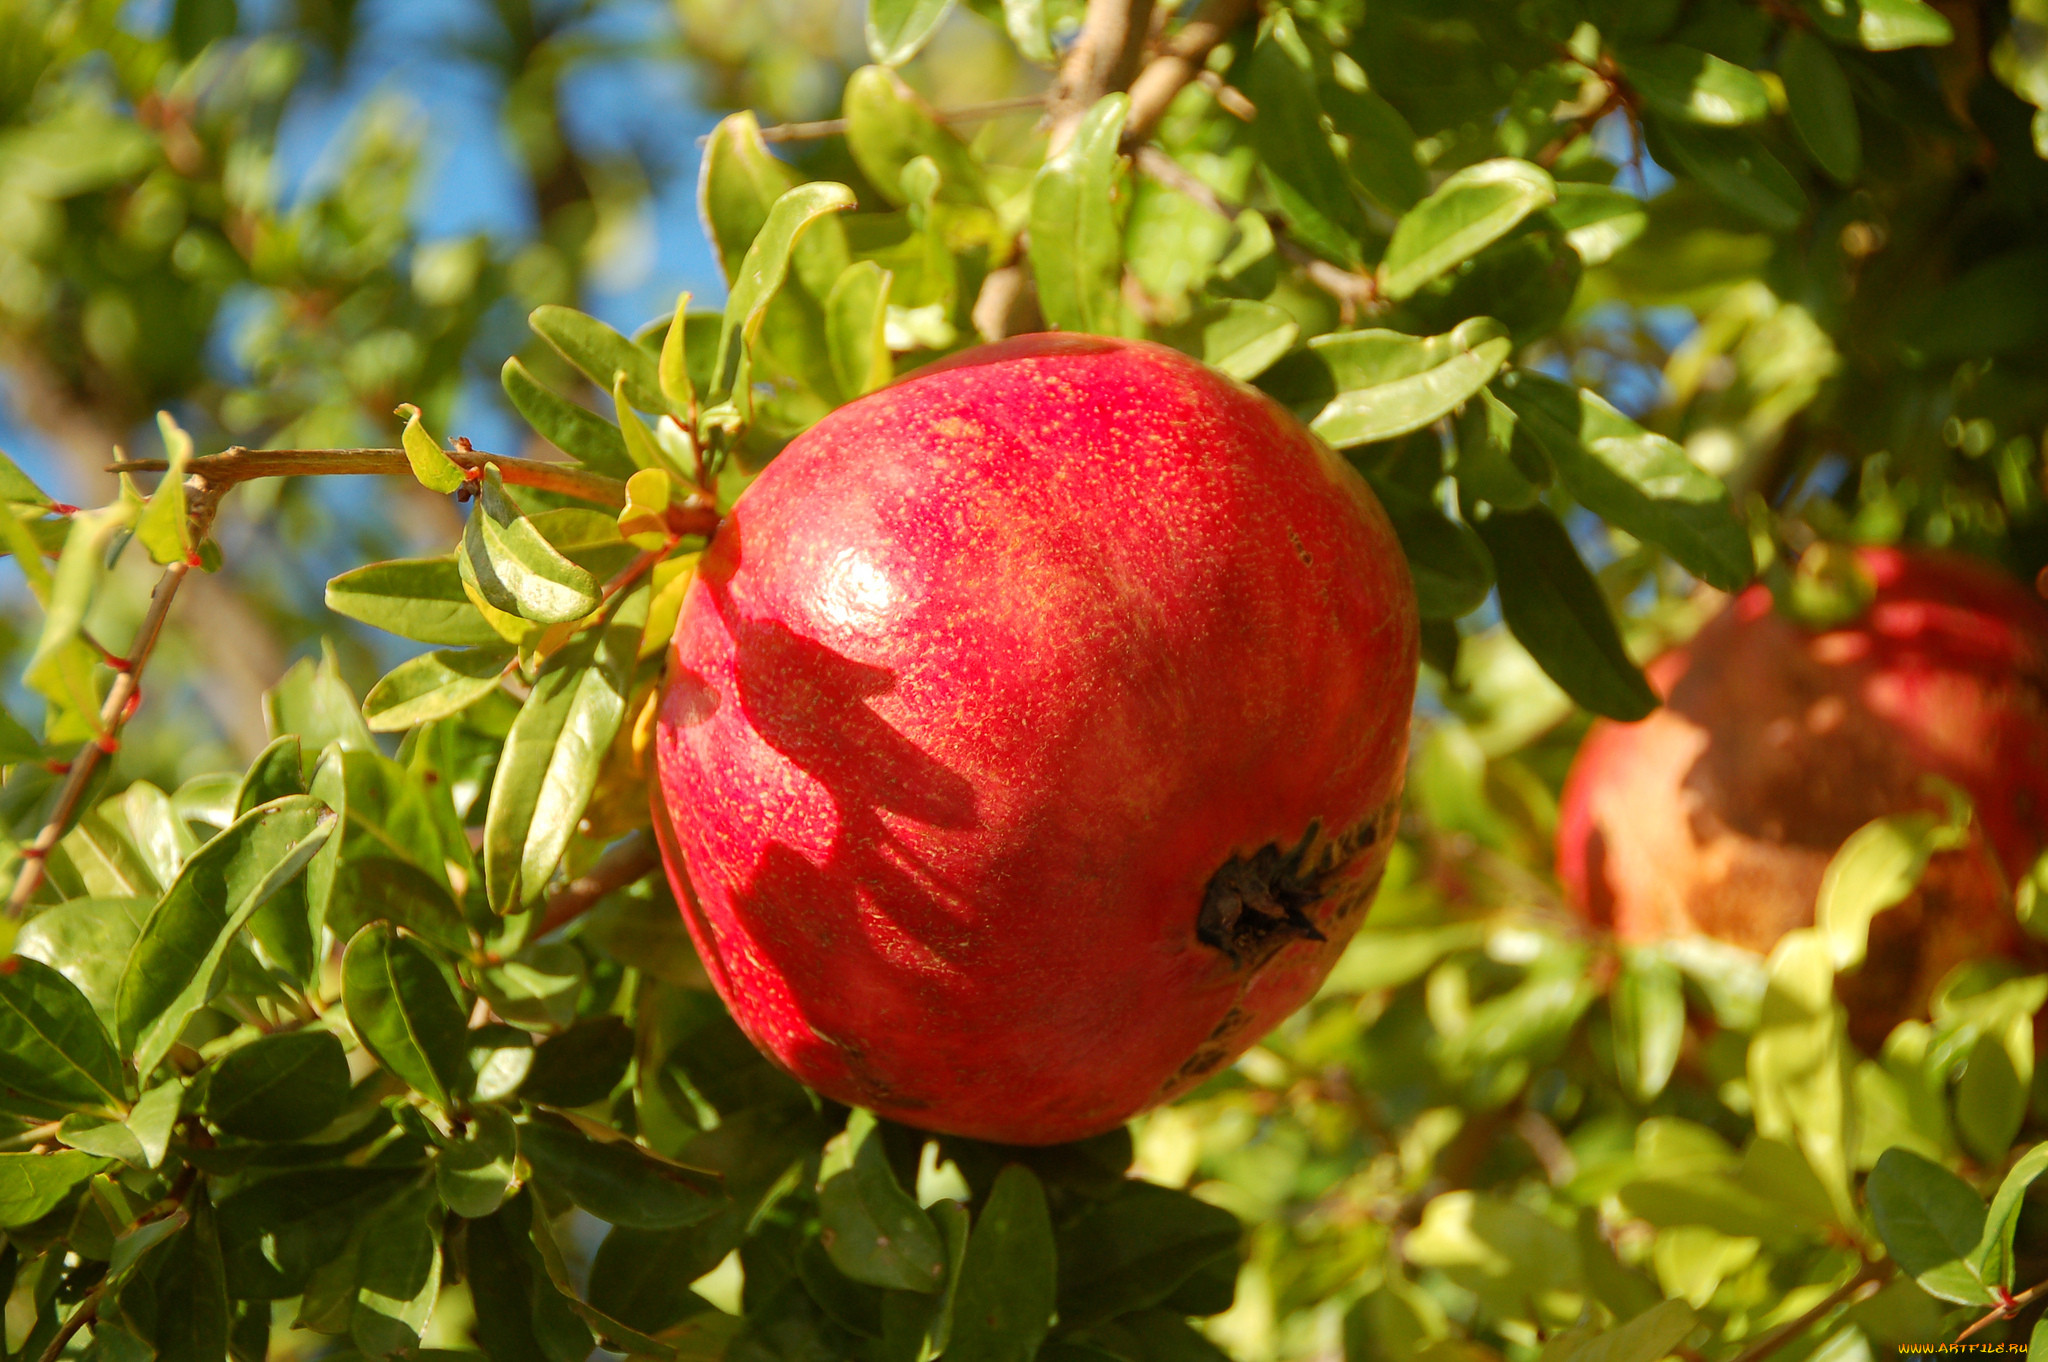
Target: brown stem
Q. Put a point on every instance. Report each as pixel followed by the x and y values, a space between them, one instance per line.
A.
pixel 1865 1284
pixel 88 1311
pixel 630 860
pixel 1104 58
pixel 1180 61
pixel 120 701
pixel 2004 1311
pixel 1351 289
pixel 235 465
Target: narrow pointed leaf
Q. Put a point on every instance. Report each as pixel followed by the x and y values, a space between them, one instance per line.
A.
pixel 1554 607
pixel 433 686
pixel 1076 224
pixel 1684 82
pixel 874 1231
pixel 600 353
pixel 1634 479
pixel 1309 182
pixel 617 1182
pixel 856 317
pixel 1402 383
pixel 430 464
pixel 52 1045
pixel 896 29
pixel 763 270
pixel 513 566
pixel 1003 1303
pixel 401 1007
pixel 178 956
pixel 1468 212
pixel 1821 109
pixel 570 427
pixel 416 598
pixel 164 527
pixel 552 755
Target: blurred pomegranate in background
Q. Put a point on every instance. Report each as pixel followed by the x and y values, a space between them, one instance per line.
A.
pixel 1718 814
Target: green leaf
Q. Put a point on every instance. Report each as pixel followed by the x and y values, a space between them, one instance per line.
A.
pixel 601 354
pixel 762 273
pixel 1468 212
pixel 1931 1223
pixel 87 941
pixel 1876 868
pixel 581 1065
pixel 278 771
pixel 19 489
pixel 1883 25
pixel 1818 102
pixel 476 1173
pixel 416 598
pixel 189 1287
pixel 1390 384
pixel 1309 183
pixel 569 426
pixel 642 1277
pixel 1497 461
pixel 398 1276
pixel 1635 480
pixel 514 568
pixel 282 1087
pixel 1008 1278
pixel 31 1185
pixel 673 366
pixel 1450 568
pixel 177 961
pixel 521 1316
pixel 1237 336
pixel 740 181
pixel 1686 83
pixel 1648 1005
pixel 617 1182
pixel 164 526
pixel 61 665
pixel 402 1008
pixel 1991 1100
pixel 898 28
pixel 1733 166
pixel 430 464
pixel 313 701
pixel 1993 1258
pixel 552 756
pixel 1382 147
pixel 1554 608
pixel 1077 227
pixel 141 1139
pixel 1597 219
pixel 434 686
pixel 856 315
pixel 276 1231
pixel 888 126
pixel 1646 1338
pixel 875 1232
pixel 52 1045
pixel 1135 1249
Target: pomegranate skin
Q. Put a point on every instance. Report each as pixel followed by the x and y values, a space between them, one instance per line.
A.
pixel 1717 815
pixel 1034 736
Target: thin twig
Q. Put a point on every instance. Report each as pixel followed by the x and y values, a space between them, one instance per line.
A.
pixel 1179 61
pixel 87 1312
pixel 1352 289
pixel 1868 1280
pixel 1103 59
pixel 235 465
pixel 630 860
pixel 122 698
pixel 2005 1309
pixel 836 127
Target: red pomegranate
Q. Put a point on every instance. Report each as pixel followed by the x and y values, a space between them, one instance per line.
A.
pixel 1718 814
pixel 1033 736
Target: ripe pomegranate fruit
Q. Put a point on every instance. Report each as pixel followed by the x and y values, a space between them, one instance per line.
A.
pixel 1718 814
pixel 1033 736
